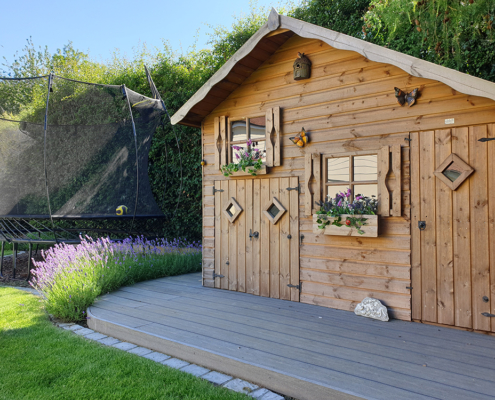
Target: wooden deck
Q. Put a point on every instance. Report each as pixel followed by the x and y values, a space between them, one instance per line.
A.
pixel 300 350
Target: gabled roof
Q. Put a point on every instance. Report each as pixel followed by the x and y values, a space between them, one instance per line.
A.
pixel 276 31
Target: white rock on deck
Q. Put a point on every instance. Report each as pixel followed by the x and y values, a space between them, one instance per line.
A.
pixel 372 308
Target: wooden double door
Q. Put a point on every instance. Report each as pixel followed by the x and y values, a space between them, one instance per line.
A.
pixel 453 229
pixel 257 236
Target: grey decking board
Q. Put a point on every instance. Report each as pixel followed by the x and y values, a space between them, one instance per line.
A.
pixel 312 358
pixel 316 311
pixel 317 375
pixel 314 328
pixel 320 311
pixel 353 322
pixel 144 298
pixel 417 357
pixel 127 320
pixel 225 311
pixel 335 351
pixel 117 300
pixel 465 360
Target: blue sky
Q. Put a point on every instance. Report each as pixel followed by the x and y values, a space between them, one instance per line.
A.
pixel 100 27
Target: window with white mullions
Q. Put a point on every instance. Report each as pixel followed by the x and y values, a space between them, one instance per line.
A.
pixel 243 131
pixel 359 173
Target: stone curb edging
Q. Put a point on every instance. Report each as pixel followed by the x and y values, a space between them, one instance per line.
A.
pixel 214 377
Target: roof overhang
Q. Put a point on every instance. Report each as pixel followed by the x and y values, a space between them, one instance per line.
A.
pixel 221 85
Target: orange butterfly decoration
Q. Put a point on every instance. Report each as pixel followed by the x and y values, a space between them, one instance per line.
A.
pixel 301 139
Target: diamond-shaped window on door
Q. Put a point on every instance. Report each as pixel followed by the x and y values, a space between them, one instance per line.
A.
pixel 453 171
pixel 232 210
pixel 274 210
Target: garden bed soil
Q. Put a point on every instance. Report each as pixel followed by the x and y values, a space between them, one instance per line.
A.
pixel 21 270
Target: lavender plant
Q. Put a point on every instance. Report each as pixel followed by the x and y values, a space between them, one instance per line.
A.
pixel 341 204
pixel 251 158
pixel 71 277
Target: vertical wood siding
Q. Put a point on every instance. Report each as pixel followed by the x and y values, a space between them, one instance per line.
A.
pixel 349 105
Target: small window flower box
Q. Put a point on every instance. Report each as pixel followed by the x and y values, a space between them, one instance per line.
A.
pixel 261 171
pixel 369 227
pixel 347 214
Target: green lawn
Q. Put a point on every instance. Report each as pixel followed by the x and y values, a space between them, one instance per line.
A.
pixel 40 361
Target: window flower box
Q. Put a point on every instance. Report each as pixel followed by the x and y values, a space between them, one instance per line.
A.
pixel 347 214
pixel 261 171
pixel 369 227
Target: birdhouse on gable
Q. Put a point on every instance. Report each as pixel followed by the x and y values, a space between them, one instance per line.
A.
pixel 302 67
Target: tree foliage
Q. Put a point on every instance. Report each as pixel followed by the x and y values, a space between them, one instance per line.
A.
pixel 454 33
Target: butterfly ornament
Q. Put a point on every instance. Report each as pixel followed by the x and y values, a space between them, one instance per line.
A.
pixel 301 139
pixel 409 98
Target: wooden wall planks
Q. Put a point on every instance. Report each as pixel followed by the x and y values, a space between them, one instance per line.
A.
pixel 455 271
pixel 349 105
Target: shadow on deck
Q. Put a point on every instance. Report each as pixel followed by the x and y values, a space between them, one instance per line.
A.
pixel 301 350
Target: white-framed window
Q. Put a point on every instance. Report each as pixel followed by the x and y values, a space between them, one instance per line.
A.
pixel 242 130
pixel 356 172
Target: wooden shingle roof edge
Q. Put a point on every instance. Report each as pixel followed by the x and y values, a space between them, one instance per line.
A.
pixel 458 81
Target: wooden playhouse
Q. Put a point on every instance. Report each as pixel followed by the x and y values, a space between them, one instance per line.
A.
pixel 432 257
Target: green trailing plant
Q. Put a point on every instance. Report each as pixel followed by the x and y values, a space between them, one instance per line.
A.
pixel 248 160
pixel 342 204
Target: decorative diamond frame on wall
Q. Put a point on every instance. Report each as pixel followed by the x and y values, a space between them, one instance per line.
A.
pixel 464 169
pixel 232 210
pixel 274 210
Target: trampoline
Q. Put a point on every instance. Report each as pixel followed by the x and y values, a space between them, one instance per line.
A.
pixel 77 164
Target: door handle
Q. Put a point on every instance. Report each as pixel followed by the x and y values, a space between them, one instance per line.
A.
pixel 253 235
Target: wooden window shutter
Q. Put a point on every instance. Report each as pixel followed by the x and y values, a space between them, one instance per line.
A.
pixel 390 181
pixel 312 181
pixel 273 137
pixel 220 140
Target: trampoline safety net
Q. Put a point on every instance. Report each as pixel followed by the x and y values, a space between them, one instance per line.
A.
pixel 76 163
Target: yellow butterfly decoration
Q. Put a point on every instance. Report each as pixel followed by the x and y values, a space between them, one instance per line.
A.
pixel 301 139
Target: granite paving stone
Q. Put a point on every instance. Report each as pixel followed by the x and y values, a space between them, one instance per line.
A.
pixel 84 331
pixel 158 357
pixel 259 393
pixel 217 378
pixel 74 327
pixel 271 396
pixel 96 336
pixel 109 341
pixel 195 370
pixel 241 386
pixel 175 363
pixel 126 346
pixel 140 351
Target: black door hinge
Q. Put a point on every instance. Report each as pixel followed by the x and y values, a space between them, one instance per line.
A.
pixel 217 276
pixel 485 139
pixel 216 190
pixel 294 188
pixel 408 139
pixel 409 287
pixel 296 286
pixel 485 314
